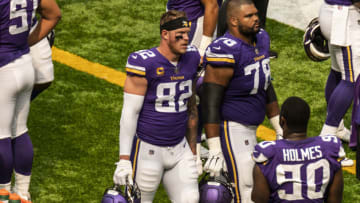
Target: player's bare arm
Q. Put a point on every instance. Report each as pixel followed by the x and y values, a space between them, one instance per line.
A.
pixel 214 76
pixel 356 3
pixel 191 132
pixel 336 188
pixel 50 16
pixel 261 191
pixel 210 16
pixel 273 110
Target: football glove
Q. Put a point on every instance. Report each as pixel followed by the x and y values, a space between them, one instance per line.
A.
pixel 216 161
pixel 198 159
pixel 123 173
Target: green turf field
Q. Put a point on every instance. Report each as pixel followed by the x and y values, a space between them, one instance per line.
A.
pixel 74 125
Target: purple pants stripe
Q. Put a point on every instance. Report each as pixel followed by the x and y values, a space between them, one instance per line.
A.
pixel 348 66
pixel 135 154
pixel 229 158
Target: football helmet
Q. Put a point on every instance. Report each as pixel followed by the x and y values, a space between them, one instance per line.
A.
pixel 216 189
pixel 122 194
pixel 315 44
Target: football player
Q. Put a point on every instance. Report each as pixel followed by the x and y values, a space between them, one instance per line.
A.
pixel 297 168
pixel 159 116
pixel 202 15
pixel 16 82
pixel 234 100
pixel 339 25
pixel 41 51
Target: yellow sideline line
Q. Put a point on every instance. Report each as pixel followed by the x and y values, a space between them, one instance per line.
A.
pixel 76 62
pixel 118 78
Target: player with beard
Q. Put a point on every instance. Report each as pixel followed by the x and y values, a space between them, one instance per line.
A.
pixel 234 97
pixel 158 112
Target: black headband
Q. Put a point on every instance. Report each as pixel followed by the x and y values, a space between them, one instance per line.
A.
pixel 175 24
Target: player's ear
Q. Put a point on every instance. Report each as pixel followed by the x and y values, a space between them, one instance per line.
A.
pixel 233 21
pixel 282 122
pixel 165 34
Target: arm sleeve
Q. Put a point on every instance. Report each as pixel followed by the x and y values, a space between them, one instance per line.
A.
pixel 132 106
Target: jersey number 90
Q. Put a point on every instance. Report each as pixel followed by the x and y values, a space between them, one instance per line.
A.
pixel 316 175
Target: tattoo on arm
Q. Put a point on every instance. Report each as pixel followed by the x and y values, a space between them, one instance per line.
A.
pixel 191 132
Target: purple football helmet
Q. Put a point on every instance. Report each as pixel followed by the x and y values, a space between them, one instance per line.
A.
pixel 315 44
pixel 216 189
pixel 122 194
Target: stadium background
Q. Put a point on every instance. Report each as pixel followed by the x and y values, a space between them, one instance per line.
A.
pixel 74 125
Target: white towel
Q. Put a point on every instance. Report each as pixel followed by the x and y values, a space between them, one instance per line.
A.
pixel 339 32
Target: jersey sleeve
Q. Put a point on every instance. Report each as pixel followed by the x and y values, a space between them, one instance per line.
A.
pixel 264 151
pixel 135 65
pixel 195 55
pixel 335 151
pixel 220 53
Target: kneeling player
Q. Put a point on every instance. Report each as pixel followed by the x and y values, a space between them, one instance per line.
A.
pixel 298 169
pixel 158 111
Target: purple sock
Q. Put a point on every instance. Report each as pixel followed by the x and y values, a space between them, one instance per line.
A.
pixel 6 161
pixel 333 80
pixel 23 154
pixel 340 101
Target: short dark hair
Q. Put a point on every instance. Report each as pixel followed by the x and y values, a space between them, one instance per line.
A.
pixel 234 4
pixel 296 113
pixel 171 15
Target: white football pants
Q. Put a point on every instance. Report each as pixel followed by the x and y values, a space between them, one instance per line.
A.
pixel 238 142
pixel 16 83
pixel 175 166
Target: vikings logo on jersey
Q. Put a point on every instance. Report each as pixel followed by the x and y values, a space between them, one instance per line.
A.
pixel 162 120
pixel 299 170
pixel 246 90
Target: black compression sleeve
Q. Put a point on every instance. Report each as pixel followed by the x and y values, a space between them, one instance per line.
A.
pixel 211 99
pixel 270 94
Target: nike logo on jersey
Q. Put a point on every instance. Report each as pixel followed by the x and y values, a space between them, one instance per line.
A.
pixel 217 48
pixel 134 56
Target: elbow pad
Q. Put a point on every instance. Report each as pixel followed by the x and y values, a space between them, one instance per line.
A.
pixel 211 99
pixel 132 106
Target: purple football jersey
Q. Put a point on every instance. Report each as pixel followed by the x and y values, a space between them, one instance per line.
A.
pixel 339 2
pixel 163 118
pixel 15 24
pixel 299 171
pixel 245 97
pixel 193 8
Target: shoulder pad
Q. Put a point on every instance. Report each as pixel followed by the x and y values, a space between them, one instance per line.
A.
pixel 136 62
pixel 220 52
pixel 333 146
pixel 191 48
pixel 264 151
